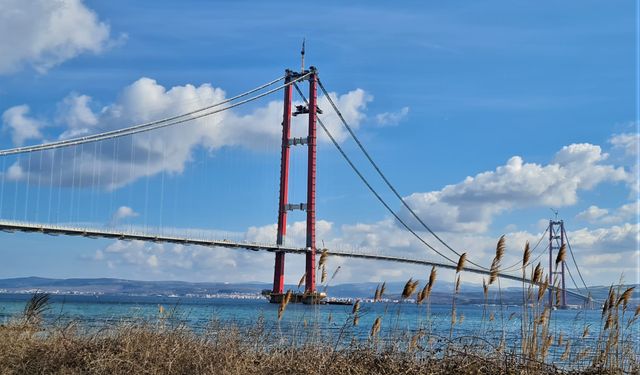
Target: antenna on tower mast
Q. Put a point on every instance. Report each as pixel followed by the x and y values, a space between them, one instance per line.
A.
pixel 302 56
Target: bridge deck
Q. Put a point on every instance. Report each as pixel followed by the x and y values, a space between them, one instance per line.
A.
pixel 13 226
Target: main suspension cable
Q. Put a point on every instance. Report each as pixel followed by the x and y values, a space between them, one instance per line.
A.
pixel 572 279
pixel 174 120
pixel 382 175
pixel 574 260
pixel 519 264
pixel 364 180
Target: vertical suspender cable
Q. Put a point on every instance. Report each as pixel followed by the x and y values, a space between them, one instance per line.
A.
pixel 53 159
pixel 26 195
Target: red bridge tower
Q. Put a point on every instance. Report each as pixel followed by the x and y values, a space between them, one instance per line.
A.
pixel 310 295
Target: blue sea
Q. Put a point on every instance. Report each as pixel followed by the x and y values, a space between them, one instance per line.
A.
pixel 332 320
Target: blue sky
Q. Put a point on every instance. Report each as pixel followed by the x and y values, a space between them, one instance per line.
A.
pixel 536 103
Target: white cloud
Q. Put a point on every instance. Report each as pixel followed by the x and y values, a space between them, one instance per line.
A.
pixel 614 239
pixel 75 114
pixel 592 214
pixel 628 142
pixel 472 204
pixel 21 126
pixel 118 162
pixel 597 215
pixel 123 212
pixel 45 33
pixel 392 118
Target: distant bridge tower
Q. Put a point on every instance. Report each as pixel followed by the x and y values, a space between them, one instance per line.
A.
pixel 556 241
pixel 310 206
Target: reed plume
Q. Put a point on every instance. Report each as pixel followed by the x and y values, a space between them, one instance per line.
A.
pixel 421 295
pixel 500 247
pixel 356 307
pixel 409 288
pixel 461 261
pixel 605 308
pixel 432 280
pixel 283 303
pixel 304 275
pixel 323 274
pixel 612 297
pixel 526 255
pixel 495 265
pixel 383 289
pixel 323 258
pixel 609 323
pixel 543 318
pixel 375 328
pixel 562 254
pixel 376 295
pixel 624 298
pixel 493 273
pixel 543 288
pixel 537 274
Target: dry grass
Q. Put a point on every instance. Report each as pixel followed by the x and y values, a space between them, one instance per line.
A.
pixel 224 348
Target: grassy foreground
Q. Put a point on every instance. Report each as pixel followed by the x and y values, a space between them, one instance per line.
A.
pixel 162 346
pixel 224 349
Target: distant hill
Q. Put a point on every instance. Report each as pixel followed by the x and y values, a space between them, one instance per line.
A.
pixel 469 294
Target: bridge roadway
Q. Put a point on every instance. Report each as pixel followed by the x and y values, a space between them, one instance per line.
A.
pixel 17 226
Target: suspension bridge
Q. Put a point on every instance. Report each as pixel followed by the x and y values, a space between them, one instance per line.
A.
pixel 73 161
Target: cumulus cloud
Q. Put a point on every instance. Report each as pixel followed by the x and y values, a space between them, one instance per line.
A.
pixel 123 212
pixel 45 33
pixel 22 127
pixel 628 142
pixel 471 205
pixel 392 118
pixel 592 214
pixel 118 162
pixel 75 113
pixel 597 215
